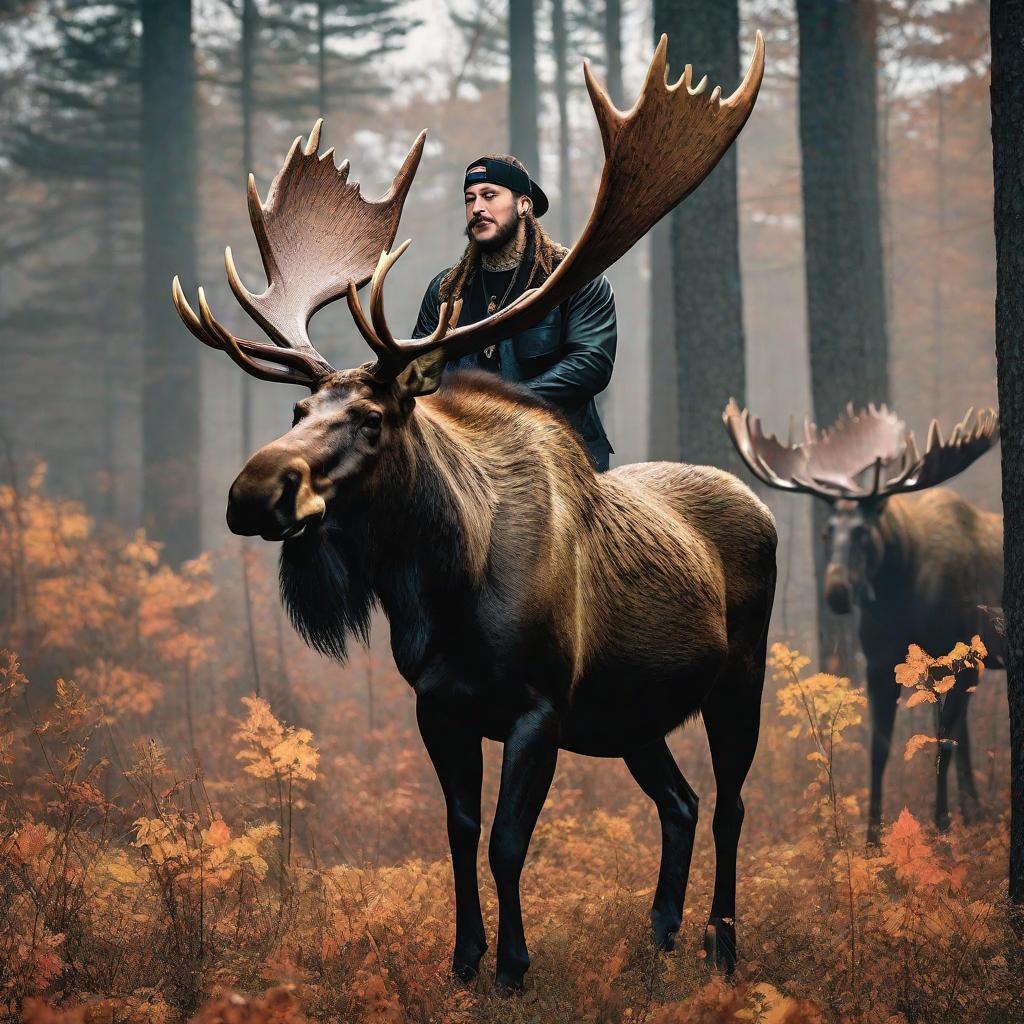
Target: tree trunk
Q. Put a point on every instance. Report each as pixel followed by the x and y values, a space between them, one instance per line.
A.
pixel 663 413
pixel 1008 172
pixel 170 402
pixel 613 49
pixel 248 54
pixel 842 236
pixel 707 295
pixel 558 38
pixel 522 86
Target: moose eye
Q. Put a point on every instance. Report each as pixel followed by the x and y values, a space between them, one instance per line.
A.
pixel 372 422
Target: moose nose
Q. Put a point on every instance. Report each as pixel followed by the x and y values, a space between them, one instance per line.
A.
pixel 837 590
pixel 277 502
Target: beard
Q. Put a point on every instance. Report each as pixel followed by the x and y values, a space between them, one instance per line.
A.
pixel 501 237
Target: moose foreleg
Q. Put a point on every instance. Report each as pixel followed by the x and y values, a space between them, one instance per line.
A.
pixel 882 694
pixel 966 789
pixel 952 729
pixel 527 767
pixel 657 774
pixel 454 749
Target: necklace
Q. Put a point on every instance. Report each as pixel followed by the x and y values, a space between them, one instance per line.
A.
pixel 494 305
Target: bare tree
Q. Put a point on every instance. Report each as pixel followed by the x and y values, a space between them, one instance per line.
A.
pixel 522 86
pixel 707 295
pixel 842 231
pixel 170 401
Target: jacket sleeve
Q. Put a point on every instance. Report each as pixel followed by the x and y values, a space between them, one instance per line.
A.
pixel 430 308
pixel 589 350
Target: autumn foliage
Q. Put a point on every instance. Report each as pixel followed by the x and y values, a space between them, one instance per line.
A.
pixel 201 824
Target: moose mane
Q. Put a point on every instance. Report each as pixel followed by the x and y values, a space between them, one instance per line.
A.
pixel 428 512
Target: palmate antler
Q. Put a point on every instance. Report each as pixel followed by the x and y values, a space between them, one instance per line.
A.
pixel 872 443
pixel 319 239
pixel 316 236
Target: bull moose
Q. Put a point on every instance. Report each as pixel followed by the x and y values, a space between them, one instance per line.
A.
pixel 917 566
pixel 530 600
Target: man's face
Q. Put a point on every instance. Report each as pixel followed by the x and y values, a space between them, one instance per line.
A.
pixel 492 214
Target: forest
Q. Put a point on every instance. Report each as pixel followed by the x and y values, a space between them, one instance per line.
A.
pixel 204 819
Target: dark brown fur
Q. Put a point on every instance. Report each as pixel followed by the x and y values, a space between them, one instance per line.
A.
pixel 531 601
pixel 919 565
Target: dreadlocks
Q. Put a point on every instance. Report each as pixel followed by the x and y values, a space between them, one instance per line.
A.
pixel 541 254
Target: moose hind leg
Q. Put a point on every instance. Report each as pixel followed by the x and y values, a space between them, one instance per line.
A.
pixel 732 716
pixel 657 774
pixel 527 767
pixel 455 752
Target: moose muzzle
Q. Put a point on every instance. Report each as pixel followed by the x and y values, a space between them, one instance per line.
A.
pixel 274 498
pixel 838 593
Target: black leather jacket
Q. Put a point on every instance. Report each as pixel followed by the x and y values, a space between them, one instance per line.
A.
pixel 567 358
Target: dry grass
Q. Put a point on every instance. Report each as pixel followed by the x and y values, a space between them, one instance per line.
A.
pixel 170 851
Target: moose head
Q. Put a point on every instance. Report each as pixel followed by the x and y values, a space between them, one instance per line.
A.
pixel 856 465
pixel 320 240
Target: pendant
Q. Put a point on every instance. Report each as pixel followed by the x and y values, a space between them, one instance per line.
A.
pixel 492 305
pixel 489 351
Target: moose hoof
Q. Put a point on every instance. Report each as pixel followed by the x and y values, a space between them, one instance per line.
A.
pixel 466 966
pixel 664 933
pixel 507 983
pixel 720 946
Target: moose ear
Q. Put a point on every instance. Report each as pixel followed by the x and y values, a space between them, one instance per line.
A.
pixel 423 376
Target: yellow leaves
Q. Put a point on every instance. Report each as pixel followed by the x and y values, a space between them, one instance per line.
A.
pixel 917 742
pixel 120 691
pixel 11 676
pixel 272 749
pixel 827 704
pixel 786 662
pixel 208 854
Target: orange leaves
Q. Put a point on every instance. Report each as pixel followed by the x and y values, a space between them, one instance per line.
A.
pixel 911 854
pixel 917 742
pixel 932 678
pixel 279 1006
pixel 272 749
pixel 921 696
pixel 938 675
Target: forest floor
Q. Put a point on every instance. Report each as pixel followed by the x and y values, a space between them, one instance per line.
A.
pixel 174 848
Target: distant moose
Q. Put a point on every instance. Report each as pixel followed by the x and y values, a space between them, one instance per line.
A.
pixel 530 600
pixel 918 567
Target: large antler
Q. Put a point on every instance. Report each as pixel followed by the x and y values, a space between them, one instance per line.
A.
pixel 656 154
pixel 874 443
pixel 317 237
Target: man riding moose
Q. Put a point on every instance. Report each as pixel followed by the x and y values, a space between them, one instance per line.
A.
pixel 531 600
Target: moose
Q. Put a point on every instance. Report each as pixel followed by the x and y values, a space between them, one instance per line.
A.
pixel 917 567
pixel 530 600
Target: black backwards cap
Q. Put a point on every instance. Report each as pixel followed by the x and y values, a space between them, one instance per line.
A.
pixel 501 172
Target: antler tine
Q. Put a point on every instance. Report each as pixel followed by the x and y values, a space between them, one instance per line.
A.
pixel 212 333
pixel 230 344
pixel 944 459
pixel 189 318
pixel 745 432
